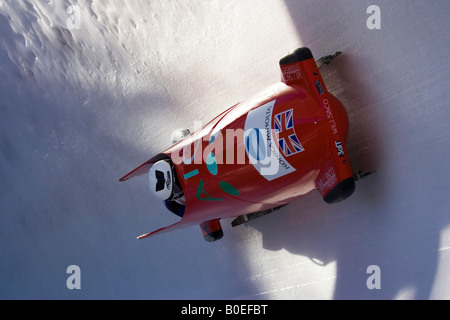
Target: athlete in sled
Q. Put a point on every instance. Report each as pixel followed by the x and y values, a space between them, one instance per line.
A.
pixel 258 155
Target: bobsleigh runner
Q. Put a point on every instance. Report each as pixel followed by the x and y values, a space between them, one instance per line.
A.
pixel 257 156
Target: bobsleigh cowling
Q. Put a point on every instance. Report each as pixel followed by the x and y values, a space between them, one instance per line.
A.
pixel 263 153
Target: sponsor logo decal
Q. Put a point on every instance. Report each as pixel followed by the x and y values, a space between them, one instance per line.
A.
pixel 291 73
pixel 285 132
pixel 261 148
pixel 339 148
pixel 327 181
pixel 319 87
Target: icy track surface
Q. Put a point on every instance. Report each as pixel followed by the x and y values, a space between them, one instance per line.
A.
pixel 85 98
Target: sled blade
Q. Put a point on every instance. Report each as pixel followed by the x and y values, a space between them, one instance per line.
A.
pixel 327 59
pixel 172 227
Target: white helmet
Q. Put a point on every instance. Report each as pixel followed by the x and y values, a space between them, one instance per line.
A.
pixel 160 180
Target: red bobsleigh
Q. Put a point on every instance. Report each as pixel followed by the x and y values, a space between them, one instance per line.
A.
pixel 263 153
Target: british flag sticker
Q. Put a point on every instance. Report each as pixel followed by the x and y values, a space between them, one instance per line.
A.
pixel 285 133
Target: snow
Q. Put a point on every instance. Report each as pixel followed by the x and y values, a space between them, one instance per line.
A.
pixel 81 105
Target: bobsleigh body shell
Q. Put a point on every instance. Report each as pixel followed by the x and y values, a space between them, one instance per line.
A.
pixel 264 152
pixel 221 186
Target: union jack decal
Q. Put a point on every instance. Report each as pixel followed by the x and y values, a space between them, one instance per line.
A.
pixel 285 132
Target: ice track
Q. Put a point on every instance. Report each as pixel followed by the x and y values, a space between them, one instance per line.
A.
pixel 83 101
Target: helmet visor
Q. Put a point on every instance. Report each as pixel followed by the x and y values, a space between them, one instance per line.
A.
pixel 160 180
